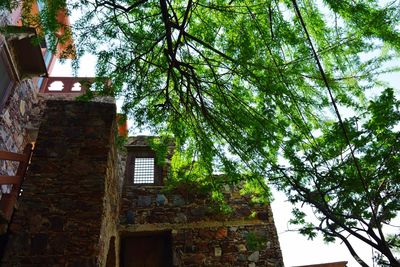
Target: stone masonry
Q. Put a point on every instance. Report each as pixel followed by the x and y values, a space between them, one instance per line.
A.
pixel 77 204
pixel 200 234
pixel 69 205
pixel 19 116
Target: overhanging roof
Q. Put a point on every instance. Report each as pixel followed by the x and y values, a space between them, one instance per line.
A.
pixel 25 46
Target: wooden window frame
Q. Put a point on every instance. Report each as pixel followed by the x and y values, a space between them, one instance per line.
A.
pixel 6 60
pixel 144 152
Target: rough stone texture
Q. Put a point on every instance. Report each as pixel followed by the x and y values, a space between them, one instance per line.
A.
pixel 17 115
pixel 109 237
pixel 143 202
pixel 72 97
pixel 255 256
pixel 202 236
pixel 17 118
pixel 4 17
pixel 67 213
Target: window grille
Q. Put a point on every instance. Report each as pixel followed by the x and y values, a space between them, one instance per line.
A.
pixel 143 171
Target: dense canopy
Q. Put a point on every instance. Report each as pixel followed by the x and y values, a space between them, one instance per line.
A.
pixel 263 89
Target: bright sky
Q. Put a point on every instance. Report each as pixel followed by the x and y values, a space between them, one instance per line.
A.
pixel 297 250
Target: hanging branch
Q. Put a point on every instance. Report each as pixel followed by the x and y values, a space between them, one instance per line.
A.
pixel 345 134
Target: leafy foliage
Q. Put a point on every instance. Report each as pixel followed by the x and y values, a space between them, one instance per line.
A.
pixel 254 188
pixel 327 178
pixel 259 88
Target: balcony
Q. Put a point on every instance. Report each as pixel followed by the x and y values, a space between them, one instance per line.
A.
pixel 23 51
pixel 66 85
pixel 68 88
pixel 8 200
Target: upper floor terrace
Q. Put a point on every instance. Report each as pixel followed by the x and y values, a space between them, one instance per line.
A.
pixel 74 86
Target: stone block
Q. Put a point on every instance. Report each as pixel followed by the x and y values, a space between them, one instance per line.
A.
pixel 199 212
pixel 233 229
pixel 262 215
pixel 6 118
pixel 178 200
pixel 206 234
pixel 144 201
pixel 217 251
pixel 255 256
pixel 161 200
pixel 243 211
pixel 22 107
pixel 228 259
pixel 241 248
pixel 197 259
pixel 57 223
pixel 221 233
pixel 242 257
pixel 130 217
pixel 180 218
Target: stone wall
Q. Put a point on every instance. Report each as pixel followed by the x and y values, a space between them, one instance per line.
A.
pixel 19 121
pixel 4 17
pixel 202 236
pixel 109 238
pixel 16 115
pixel 67 212
pixel 18 118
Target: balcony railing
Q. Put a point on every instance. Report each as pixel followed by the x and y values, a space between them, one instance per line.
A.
pixel 75 86
pixel 66 85
pixel 8 201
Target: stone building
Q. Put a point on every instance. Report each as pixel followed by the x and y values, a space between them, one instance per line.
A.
pixel 79 207
pixel 85 202
pixel 186 222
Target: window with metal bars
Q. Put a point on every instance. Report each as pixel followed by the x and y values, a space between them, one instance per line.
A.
pixel 143 171
pixel 142 168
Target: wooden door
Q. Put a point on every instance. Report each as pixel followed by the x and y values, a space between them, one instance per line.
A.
pixel 146 251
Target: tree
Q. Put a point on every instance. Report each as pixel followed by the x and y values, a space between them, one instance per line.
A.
pixel 259 87
pixel 348 198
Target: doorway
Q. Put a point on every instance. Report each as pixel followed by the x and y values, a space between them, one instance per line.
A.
pixel 146 250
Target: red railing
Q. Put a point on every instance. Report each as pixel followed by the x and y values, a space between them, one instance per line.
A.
pixel 63 85
pixel 75 86
pixel 8 201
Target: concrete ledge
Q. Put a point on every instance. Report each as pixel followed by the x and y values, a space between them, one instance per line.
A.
pixel 192 225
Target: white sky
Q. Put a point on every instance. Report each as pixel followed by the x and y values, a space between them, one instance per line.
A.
pixel 297 250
